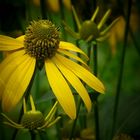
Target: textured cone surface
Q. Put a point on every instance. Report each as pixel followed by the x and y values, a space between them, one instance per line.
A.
pixel 32 120
pixel 41 39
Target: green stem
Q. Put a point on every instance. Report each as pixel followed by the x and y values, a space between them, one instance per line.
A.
pixel 75 121
pixel 33 135
pixel 95 69
pixel 89 54
pixel 95 57
pixel 43 135
pixel 37 84
pixel 43 9
pixel 62 12
pixel 26 98
pixel 28 10
pixel 121 69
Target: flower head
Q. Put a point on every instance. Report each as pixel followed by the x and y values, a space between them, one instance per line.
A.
pixel 41 42
pixel 89 30
pixel 34 119
pixel 40 47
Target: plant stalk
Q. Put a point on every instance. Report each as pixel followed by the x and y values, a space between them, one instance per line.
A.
pixel 33 135
pixel 96 110
pixel 119 83
pixel 43 9
pixel 75 121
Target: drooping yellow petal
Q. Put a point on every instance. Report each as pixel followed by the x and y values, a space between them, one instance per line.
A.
pixel 104 19
pixel 21 38
pixel 52 112
pixel 76 18
pixel 24 106
pixel 18 82
pixel 109 26
pixel 71 55
pixel 50 116
pixel 71 47
pixel 32 104
pixel 75 82
pixel 60 88
pixel 95 14
pixel 8 66
pixel 54 121
pixel 10 122
pixel 82 73
pixel 70 31
pixel 10 58
pixel 9 43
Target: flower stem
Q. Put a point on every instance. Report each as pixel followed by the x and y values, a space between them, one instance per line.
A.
pixel 28 10
pixel 43 9
pixel 75 121
pixel 89 54
pixel 95 69
pixel 43 135
pixel 121 69
pixel 95 51
pixel 33 135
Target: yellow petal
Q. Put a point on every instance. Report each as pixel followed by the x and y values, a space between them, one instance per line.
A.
pixel 21 38
pixel 67 4
pixel 71 47
pixel 76 18
pixel 32 103
pixel 82 73
pixel 60 89
pixel 8 66
pixel 71 55
pixel 104 19
pixel 9 43
pixel 75 82
pixel 95 14
pixel 11 57
pixel 54 5
pixel 109 26
pixel 18 82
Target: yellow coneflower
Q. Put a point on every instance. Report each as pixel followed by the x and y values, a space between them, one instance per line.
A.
pixel 117 35
pixel 40 46
pixel 89 30
pixel 33 120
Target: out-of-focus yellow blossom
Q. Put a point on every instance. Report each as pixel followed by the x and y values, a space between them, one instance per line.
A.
pixel 89 30
pixel 34 120
pixel 41 46
pixel 67 4
pixel 36 2
pixel 117 31
pixel 54 5
pixel 123 137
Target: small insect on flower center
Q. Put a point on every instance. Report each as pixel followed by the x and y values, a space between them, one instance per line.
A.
pixel 41 39
pixel 32 120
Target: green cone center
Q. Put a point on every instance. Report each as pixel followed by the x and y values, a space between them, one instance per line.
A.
pixel 32 120
pixel 41 39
